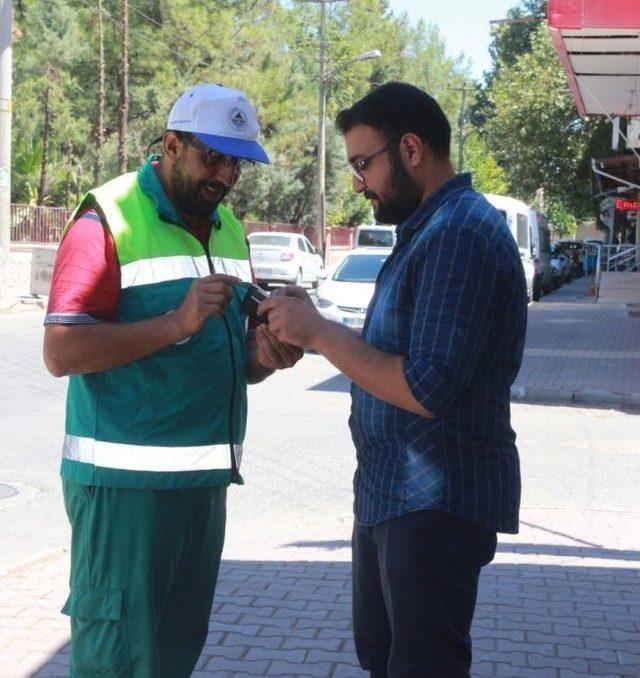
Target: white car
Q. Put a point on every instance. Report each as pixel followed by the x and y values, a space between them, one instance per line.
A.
pixel 344 296
pixel 284 258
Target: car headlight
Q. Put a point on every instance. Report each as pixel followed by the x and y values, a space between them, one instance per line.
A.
pixel 321 302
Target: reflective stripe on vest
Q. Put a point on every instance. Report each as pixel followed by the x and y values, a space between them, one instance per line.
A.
pixel 148 457
pixel 163 269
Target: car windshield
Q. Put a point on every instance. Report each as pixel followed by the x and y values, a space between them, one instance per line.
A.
pixel 361 268
pixel 270 239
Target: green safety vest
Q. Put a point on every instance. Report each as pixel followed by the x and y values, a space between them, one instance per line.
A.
pixel 176 418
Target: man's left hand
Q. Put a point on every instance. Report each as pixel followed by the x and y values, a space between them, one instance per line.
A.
pixel 274 354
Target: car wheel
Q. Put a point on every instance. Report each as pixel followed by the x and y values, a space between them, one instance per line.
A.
pixel 298 279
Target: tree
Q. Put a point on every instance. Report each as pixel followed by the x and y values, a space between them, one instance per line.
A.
pixel 535 131
pixel 45 89
pixel 99 126
pixel 267 48
pixel 488 176
pixel 123 108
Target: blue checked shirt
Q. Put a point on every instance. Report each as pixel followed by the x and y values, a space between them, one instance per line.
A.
pixel 452 298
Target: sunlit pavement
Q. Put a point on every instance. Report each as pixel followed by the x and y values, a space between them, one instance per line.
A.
pixel 561 598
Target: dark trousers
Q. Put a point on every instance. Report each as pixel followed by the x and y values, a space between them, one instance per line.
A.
pixel 415 580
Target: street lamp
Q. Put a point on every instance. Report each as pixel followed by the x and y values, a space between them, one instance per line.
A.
pixel 326 76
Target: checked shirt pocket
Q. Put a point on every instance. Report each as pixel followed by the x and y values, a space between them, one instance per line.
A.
pixel 99 645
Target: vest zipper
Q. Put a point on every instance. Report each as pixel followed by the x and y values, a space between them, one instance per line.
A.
pixel 235 475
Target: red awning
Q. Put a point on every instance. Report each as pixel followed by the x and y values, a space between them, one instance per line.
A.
pixel 599 45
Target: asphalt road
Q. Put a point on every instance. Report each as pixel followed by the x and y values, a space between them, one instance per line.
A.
pixel 298 459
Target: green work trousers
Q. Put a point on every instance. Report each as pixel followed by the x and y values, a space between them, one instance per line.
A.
pixel 144 565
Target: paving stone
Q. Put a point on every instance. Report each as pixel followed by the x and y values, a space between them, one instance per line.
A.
pixel 288 633
pixel 282 603
pixel 570 640
pixel 483 669
pixel 327 644
pixel 315 656
pixel 631 659
pixel 599 668
pixel 234 612
pixel 284 611
pixel 267 642
pixel 331 632
pixel 541 661
pixel 508 671
pixel 285 668
pixel 254 668
pixel 348 671
pixel 214 653
pixel 622 645
pixel 503 645
pixel 242 629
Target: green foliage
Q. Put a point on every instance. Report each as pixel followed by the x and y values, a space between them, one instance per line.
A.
pixel 528 119
pixel 562 222
pixel 268 48
pixel 488 176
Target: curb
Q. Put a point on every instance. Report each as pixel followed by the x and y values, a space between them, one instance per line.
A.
pixel 19 304
pixel 585 396
pixel 38 560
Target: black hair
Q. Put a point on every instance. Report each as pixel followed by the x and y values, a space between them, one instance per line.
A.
pixel 181 135
pixel 396 109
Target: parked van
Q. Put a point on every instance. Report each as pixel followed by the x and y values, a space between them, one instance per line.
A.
pixel 516 214
pixel 541 252
pixel 375 236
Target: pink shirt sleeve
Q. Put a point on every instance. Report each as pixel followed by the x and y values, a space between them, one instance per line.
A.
pixel 86 277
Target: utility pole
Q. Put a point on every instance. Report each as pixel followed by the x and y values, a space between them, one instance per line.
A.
pixel 326 75
pixel 461 120
pixel 6 19
pixel 322 107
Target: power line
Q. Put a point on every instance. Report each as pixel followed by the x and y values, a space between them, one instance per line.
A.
pixel 116 22
pixel 155 22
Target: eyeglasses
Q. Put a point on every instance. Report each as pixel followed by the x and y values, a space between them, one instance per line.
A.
pixel 212 158
pixel 358 166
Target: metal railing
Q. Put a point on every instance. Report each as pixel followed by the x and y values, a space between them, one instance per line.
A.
pixel 37 224
pixel 615 259
pixel 620 257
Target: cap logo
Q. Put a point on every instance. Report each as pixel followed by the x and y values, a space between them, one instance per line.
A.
pixel 237 118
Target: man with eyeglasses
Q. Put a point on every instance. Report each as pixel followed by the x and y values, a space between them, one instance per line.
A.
pixel 145 316
pixel 438 470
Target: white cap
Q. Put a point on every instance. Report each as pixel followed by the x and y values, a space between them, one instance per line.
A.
pixel 222 118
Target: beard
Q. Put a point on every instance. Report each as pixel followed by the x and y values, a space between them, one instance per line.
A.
pixel 401 198
pixel 198 198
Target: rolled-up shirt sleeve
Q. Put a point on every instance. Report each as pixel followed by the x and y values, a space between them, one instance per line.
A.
pixel 454 279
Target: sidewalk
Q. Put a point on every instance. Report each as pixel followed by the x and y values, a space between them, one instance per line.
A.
pixel 561 599
pixel 579 351
pixel 552 604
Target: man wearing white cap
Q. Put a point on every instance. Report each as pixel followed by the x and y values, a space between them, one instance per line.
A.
pixel 145 315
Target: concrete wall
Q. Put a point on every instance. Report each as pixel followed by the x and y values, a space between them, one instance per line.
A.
pixel 29 270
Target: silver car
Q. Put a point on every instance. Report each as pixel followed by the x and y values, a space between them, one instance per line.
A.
pixel 284 258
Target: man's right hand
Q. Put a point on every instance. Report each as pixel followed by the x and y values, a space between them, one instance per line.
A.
pixel 206 297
